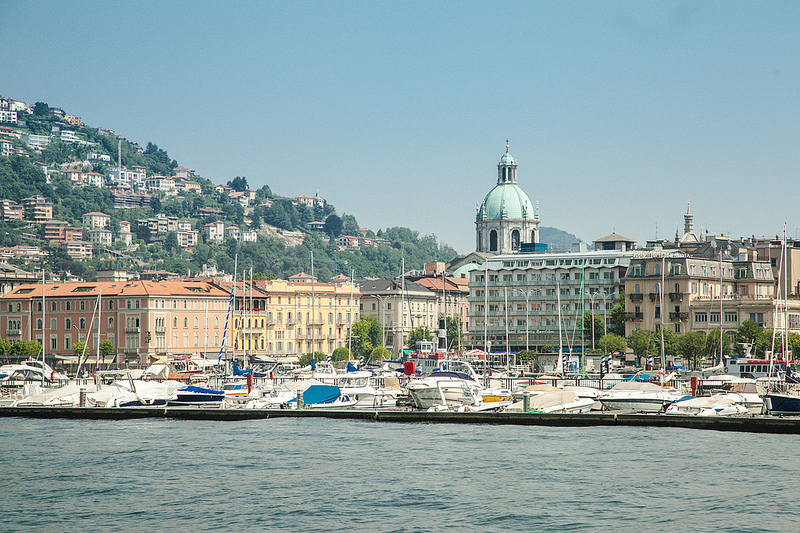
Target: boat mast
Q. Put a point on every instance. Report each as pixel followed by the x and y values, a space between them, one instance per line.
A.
pixel 661 305
pixel 560 363
pixel 44 320
pixel 99 326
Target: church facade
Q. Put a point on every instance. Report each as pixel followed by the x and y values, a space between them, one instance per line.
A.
pixel 506 218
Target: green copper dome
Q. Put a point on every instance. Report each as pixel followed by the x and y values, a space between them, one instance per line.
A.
pixel 506 200
pixel 507 159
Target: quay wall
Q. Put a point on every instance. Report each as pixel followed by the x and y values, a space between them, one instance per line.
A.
pixel 750 424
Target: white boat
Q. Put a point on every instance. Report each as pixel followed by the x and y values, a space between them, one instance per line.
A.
pixel 706 406
pixel 357 386
pixel 639 396
pixel 557 401
pixel 444 389
pixel 745 392
pixel 27 371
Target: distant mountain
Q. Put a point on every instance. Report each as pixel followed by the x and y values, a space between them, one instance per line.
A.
pixel 557 240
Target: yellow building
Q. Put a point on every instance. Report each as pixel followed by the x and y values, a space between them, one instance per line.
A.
pixel 289 318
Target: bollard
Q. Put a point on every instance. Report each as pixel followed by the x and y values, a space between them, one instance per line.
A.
pixel 526 401
pixel 82 398
pixel 299 400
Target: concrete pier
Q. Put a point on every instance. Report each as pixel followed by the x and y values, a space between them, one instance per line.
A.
pixel 750 424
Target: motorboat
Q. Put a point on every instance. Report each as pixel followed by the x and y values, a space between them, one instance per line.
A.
pixel 357 385
pixel 197 396
pixel 706 406
pixel 555 401
pixel 324 397
pixel 745 392
pixel 15 375
pixel 444 389
pixel 134 393
pixel 640 396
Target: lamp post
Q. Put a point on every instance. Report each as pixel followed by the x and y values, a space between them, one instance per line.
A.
pixel 592 295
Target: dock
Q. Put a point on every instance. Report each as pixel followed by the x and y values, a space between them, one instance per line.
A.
pixel 748 423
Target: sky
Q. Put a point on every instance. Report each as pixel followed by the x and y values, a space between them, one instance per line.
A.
pixel 617 113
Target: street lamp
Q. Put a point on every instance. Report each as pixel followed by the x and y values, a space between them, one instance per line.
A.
pixel 382 317
pixel 592 295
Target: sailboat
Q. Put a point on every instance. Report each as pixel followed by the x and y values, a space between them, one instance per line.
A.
pixel 785 401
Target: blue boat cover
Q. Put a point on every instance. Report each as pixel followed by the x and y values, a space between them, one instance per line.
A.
pixel 239 372
pixel 201 390
pixel 351 368
pixel 457 375
pixel 313 365
pixel 321 394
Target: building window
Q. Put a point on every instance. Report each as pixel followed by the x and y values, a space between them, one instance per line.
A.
pixel 186 322
pixel 700 317
pixel 174 322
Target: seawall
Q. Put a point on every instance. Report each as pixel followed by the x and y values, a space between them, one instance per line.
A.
pixel 750 424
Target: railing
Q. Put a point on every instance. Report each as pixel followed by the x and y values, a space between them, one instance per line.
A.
pixel 676 296
pixel 636 297
pixel 14 332
pixel 634 316
pixel 132 330
pixel 159 329
pixel 679 316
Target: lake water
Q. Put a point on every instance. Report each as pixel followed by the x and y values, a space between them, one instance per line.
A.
pixel 312 474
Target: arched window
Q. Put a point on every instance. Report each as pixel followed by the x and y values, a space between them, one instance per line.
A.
pixel 196 322
pixel 637 289
pixel 174 322
pixel 186 322
pixel 515 239
pixel 493 241
pixel 533 236
pixel 216 323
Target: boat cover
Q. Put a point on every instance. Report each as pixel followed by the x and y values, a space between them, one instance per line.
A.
pixel 200 390
pixel 351 368
pixel 551 399
pixel 321 394
pixel 239 372
pixel 455 375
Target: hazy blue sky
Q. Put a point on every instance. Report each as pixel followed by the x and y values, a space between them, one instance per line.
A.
pixel 618 113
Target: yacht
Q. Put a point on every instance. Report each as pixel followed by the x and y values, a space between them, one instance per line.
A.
pixel 640 396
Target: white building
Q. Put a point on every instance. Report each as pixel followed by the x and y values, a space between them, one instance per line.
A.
pixel 514 298
pixel 8 116
pixel 35 142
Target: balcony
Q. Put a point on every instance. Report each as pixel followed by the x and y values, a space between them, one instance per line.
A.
pixel 636 297
pixel 14 332
pixel 159 329
pixel 676 296
pixel 634 316
pixel 654 296
pixel 131 330
pixel 679 316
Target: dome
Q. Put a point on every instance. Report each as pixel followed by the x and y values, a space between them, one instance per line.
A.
pixel 509 197
pixel 507 159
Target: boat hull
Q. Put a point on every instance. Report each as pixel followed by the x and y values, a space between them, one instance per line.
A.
pixel 782 404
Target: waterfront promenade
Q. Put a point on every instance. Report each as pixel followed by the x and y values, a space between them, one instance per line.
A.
pixel 749 424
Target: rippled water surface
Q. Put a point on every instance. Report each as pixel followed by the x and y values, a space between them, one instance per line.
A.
pixel 311 474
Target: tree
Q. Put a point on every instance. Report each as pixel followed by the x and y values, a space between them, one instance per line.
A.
pixel 171 243
pixel 340 354
pixel 591 323
pixel 421 333
pixel 640 341
pixel 617 319
pixel 454 333
pixel 711 348
pixel 610 344
pixel 378 353
pixel 106 349
pixel 333 226
pixel 238 184
pixel 748 333
pixel 78 348
pixel 366 335
pixel 691 346
pixel 41 109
